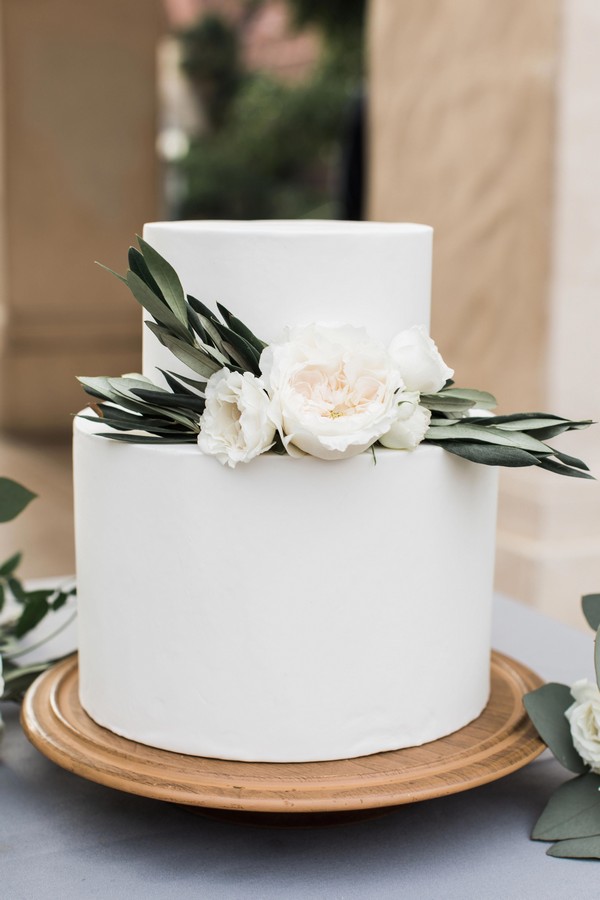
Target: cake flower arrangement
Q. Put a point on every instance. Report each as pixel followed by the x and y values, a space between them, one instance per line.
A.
pixel 568 721
pixel 325 390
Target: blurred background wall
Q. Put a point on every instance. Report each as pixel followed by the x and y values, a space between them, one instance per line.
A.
pixel 478 117
pixel 485 123
pixel 79 176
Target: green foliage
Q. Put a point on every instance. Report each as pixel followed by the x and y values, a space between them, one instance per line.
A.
pixel 338 19
pixel 13 499
pixel 272 159
pixel 270 147
pixel 32 606
pixel 211 61
pixel 572 812
pixel 572 815
pixel 546 708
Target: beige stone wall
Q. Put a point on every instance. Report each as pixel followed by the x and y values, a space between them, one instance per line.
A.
pixel 79 178
pixel 459 91
pixel 485 122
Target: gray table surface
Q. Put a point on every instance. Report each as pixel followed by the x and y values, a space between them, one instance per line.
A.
pixel 62 837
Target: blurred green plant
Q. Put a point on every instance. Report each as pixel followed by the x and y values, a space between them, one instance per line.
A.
pixel 270 148
pixel 28 607
pixel 210 59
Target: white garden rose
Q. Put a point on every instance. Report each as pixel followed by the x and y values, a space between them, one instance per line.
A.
pixel 419 361
pixel 235 425
pixel 584 720
pixel 410 425
pixel 333 389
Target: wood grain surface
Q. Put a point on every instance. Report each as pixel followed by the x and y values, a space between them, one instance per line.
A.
pixel 500 741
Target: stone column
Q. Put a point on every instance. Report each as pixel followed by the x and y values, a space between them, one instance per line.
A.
pixel 79 178
pixel 485 123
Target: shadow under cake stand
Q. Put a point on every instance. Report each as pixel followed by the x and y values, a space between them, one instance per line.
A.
pixel 499 742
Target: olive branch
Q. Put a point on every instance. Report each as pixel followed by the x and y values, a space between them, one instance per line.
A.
pixel 139 411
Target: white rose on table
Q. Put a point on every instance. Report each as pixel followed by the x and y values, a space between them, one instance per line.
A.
pixel 419 361
pixel 410 425
pixel 584 721
pixel 333 389
pixel 235 425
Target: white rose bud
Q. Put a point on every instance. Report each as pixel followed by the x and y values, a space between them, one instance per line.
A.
pixel 584 720
pixel 410 426
pixel 333 389
pixel 235 425
pixel 419 361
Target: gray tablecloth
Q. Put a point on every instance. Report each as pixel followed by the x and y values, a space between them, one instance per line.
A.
pixel 62 837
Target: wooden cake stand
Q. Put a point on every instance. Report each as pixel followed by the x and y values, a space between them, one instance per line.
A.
pixel 500 741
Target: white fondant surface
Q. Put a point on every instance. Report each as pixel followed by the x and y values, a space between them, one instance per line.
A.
pixel 288 610
pixel 272 274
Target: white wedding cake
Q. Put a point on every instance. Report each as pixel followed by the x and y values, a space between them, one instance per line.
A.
pixel 292 609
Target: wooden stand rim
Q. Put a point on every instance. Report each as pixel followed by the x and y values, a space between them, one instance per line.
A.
pixel 500 741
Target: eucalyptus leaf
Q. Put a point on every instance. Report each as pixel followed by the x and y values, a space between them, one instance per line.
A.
pixel 487 454
pixel 194 383
pixel 572 811
pixel 597 657
pixel 17 589
pixel 590 604
pixel 8 567
pixel 440 403
pixel 176 385
pixel 97 386
pixel 201 308
pixel 236 325
pixel 138 264
pixel 571 461
pixel 134 404
pixel 167 279
pixel 249 357
pixel 482 399
pixel 195 324
pixel 2 597
pixel 212 330
pixel 14 498
pixel 528 416
pixel 558 468
pixel 546 708
pixel 546 434
pixel 578 848
pixel 156 307
pixel 194 359
pixel 489 435
pixel 183 438
pixel 58 602
pixel 112 272
pixel 177 401
pixel 34 611
pixel 159 428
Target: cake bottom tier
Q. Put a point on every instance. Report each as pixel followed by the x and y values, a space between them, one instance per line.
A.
pixel 288 610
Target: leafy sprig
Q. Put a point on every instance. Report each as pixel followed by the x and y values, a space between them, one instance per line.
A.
pixel 571 819
pixel 139 411
pixel 31 605
pixel 513 440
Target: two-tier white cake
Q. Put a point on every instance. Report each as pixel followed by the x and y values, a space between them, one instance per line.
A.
pixel 291 609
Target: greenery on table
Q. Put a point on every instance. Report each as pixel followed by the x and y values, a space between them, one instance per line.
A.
pixel 571 819
pixel 269 147
pixel 140 411
pixel 31 605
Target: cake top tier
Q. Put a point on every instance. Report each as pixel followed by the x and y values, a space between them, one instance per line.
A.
pixel 275 273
